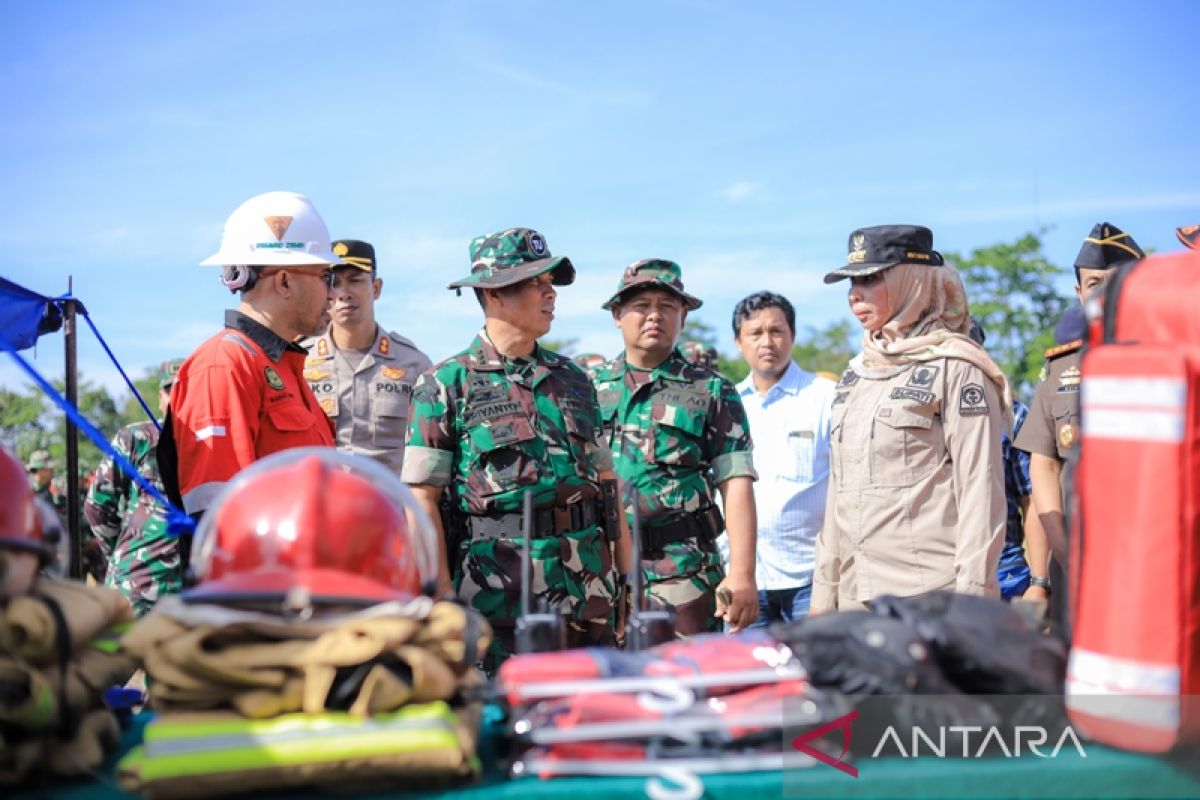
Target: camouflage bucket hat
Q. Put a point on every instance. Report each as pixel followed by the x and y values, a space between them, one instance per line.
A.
pixel 653 273
pixel 167 371
pixel 512 256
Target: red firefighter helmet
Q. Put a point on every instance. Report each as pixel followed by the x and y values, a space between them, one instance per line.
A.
pixel 331 524
pixel 20 519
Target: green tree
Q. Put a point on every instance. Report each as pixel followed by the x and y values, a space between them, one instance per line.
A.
pixel 697 330
pixel 1010 286
pixel 147 386
pixel 21 428
pixel 98 407
pixel 827 349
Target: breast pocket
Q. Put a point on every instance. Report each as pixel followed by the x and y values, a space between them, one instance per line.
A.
pixel 290 418
pixel 800 455
pixel 390 411
pixel 1065 408
pixel 678 436
pixel 502 455
pixel 906 446
pixel 581 434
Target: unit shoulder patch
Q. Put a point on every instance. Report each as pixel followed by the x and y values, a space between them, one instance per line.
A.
pixel 972 400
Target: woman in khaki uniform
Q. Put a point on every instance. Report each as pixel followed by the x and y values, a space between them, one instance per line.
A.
pixel 916 491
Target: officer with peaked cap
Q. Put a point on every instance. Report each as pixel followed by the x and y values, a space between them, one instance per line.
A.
pixel 362 374
pixel 504 416
pixel 1052 429
pixel 916 487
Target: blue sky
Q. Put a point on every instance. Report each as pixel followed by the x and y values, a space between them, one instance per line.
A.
pixel 744 140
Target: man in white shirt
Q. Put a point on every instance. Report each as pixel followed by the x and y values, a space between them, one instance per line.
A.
pixel 789 411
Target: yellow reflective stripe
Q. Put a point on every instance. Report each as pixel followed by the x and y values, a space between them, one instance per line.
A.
pixel 109 640
pixel 314 750
pixel 163 729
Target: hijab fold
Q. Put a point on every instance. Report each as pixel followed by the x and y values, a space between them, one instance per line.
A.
pixel 929 320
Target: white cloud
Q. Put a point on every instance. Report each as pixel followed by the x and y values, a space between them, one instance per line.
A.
pixel 741 191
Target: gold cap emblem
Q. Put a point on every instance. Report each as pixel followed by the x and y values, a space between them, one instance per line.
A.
pixel 340 249
pixel 858 253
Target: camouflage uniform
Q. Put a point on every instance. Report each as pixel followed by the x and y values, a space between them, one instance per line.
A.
pixel 590 363
pixel 487 427
pixel 131 527
pixel 704 355
pixel 676 432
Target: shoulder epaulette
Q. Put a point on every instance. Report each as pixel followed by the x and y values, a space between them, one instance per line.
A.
pixel 1063 349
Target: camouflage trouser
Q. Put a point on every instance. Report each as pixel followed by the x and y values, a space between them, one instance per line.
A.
pixel 572 573
pixel 686 579
pixel 146 573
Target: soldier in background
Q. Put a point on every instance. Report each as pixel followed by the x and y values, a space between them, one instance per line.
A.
pixel 40 467
pixel 361 374
pixel 589 363
pixel 1052 428
pixel 679 435
pixel 129 526
pixel 504 416
pixel 700 354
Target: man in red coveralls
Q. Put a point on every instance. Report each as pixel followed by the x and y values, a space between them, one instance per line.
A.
pixel 242 395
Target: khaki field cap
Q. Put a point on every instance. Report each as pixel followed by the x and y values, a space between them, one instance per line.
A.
pixel 881 246
pixel 655 273
pixel 511 256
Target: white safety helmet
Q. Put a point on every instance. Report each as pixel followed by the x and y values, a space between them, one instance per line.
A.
pixel 274 229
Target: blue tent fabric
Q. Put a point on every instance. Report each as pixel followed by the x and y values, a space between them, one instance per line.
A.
pixel 25 315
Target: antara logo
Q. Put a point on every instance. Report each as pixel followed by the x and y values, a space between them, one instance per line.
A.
pixel 922 744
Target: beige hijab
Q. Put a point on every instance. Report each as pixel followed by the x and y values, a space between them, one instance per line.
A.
pixel 929 320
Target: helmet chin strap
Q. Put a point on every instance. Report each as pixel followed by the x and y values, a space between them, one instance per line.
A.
pixel 238 277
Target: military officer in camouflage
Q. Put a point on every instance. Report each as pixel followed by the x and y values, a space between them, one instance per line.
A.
pixel 129 526
pixel 40 467
pixel 678 433
pixel 361 374
pixel 589 362
pixel 506 415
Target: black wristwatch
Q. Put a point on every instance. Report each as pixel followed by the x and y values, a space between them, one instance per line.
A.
pixel 1041 583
